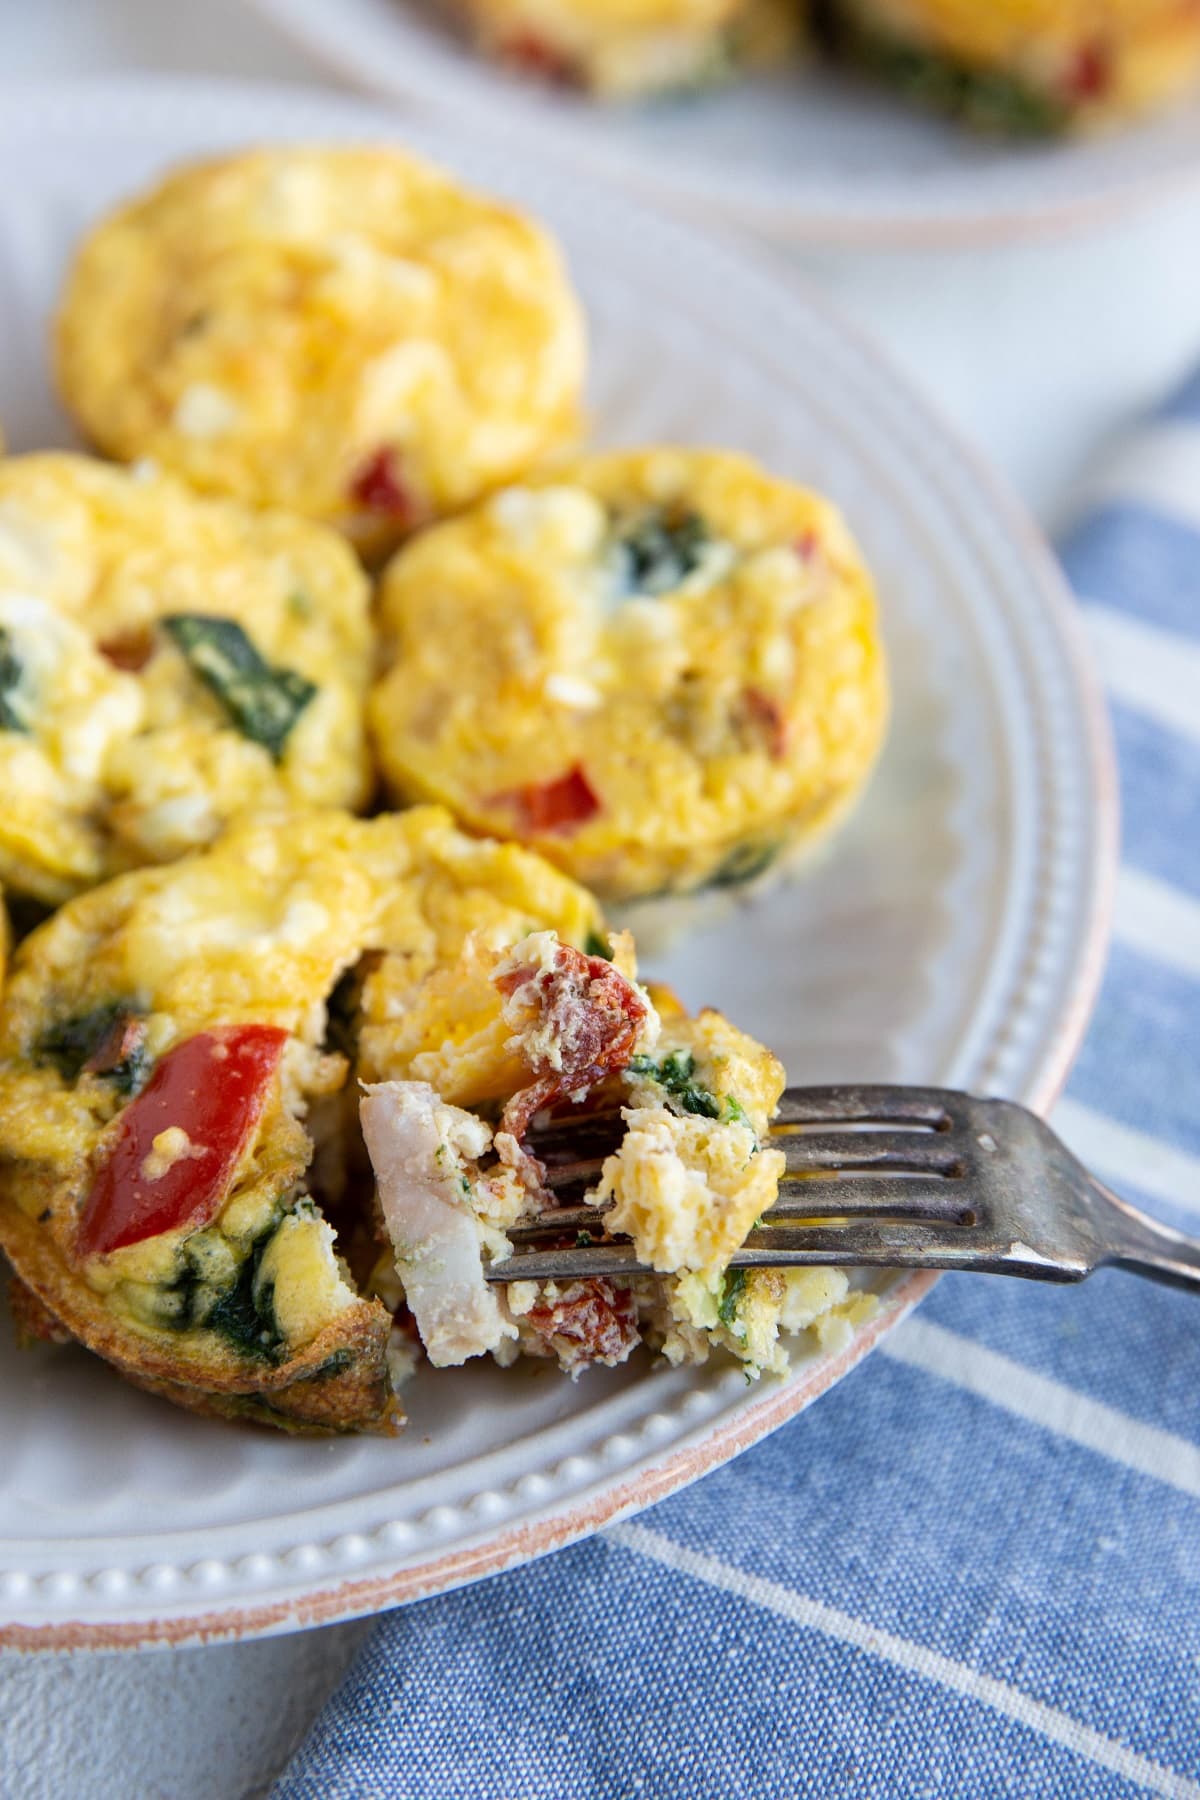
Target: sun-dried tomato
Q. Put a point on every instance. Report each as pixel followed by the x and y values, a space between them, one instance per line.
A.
pixel 130 653
pixel 766 719
pixel 591 1014
pixel 586 1322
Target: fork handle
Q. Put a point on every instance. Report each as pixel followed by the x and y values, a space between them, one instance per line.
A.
pixel 1141 1244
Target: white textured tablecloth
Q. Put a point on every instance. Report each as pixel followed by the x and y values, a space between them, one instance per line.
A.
pixel 1038 352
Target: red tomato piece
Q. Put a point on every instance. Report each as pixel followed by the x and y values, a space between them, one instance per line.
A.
pixel 553 806
pixel 767 719
pixel 130 653
pixel 1091 73
pixel 379 486
pixel 213 1088
pixel 534 56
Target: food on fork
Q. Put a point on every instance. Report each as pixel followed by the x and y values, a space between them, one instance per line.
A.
pixel 175 1080
pixel 634 48
pixel 165 660
pixel 541 1027
pixel 180 1058
pixel 1025 67
pixel 344 332
pixel 662 669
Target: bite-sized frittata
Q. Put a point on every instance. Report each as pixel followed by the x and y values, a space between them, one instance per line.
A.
pixel 628 49
pixel 662 669
pixel 1027 67
pixel 175 1054
pixel 165 662
pixel 544 1031
pixel 345 332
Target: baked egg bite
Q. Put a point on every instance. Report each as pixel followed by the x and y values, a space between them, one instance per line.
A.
pixel 344 332
pixel 634 48
pixel 176 1056
pixel 1025 67
pixel 543 1034
pixel 661 668
pixel 165 661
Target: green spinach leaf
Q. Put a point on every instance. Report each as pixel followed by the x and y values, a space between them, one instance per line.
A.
pixel 12 714
pixel 262 701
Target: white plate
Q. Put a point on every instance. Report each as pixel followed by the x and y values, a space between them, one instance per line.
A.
pixel 954 934
pixel 799 155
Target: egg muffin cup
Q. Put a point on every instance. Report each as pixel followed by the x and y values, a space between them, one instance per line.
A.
pixel 1024 68
pixel 165 662
pixel 176 1050
pixel 346 333
pixel 662 669
pixel 636 48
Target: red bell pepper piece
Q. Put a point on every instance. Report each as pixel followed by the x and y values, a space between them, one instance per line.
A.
pixel 553 806
pixel 213 1088
pixel 379 486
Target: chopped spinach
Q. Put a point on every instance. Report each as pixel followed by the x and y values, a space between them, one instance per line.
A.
pixel 12 717
pixel 245 1313
pixel 735 1282
pixel 341 1012
pixel 743 864
pixel 735 1111
pixel 595 945
pixel 989 99
pixel 262 701
pixel 110 1040
pixel 676 1073
pixel 336 1363
pixel 656 551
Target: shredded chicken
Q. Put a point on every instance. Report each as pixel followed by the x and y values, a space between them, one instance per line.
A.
pixel 422 1152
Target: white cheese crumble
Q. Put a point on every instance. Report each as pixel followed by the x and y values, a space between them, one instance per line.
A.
pixel 573 691
pixel 168 1148
pixel 205 411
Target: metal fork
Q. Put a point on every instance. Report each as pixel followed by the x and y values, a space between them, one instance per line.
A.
pixel 895 1177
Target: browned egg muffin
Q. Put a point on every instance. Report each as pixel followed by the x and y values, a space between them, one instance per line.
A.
pixel 345 332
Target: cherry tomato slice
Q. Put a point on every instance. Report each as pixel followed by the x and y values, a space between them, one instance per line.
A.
pixel 207 1095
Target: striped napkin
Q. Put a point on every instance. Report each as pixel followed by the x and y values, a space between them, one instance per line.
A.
pixel 973 1569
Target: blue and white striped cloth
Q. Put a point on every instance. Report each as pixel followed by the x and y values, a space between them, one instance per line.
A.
pixel 974 1568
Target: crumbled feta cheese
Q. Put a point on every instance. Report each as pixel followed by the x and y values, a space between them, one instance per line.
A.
pixel 205 411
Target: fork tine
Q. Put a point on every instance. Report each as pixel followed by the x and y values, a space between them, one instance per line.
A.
pixel 922 1152
pixel 838 1198
pixel 569 1265
pixel 878 1105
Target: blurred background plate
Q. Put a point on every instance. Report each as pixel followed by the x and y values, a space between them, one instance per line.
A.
pixel 954 932
pixel 802 156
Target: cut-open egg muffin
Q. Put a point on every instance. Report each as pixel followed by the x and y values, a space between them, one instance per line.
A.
pixel 267 1113
pixel 174 1050
pixel 344 332
pixel 1026 67
pixel 165 662
pixel 634 48
pixel 662 669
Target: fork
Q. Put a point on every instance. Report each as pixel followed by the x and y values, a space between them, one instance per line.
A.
pixel 892 1177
